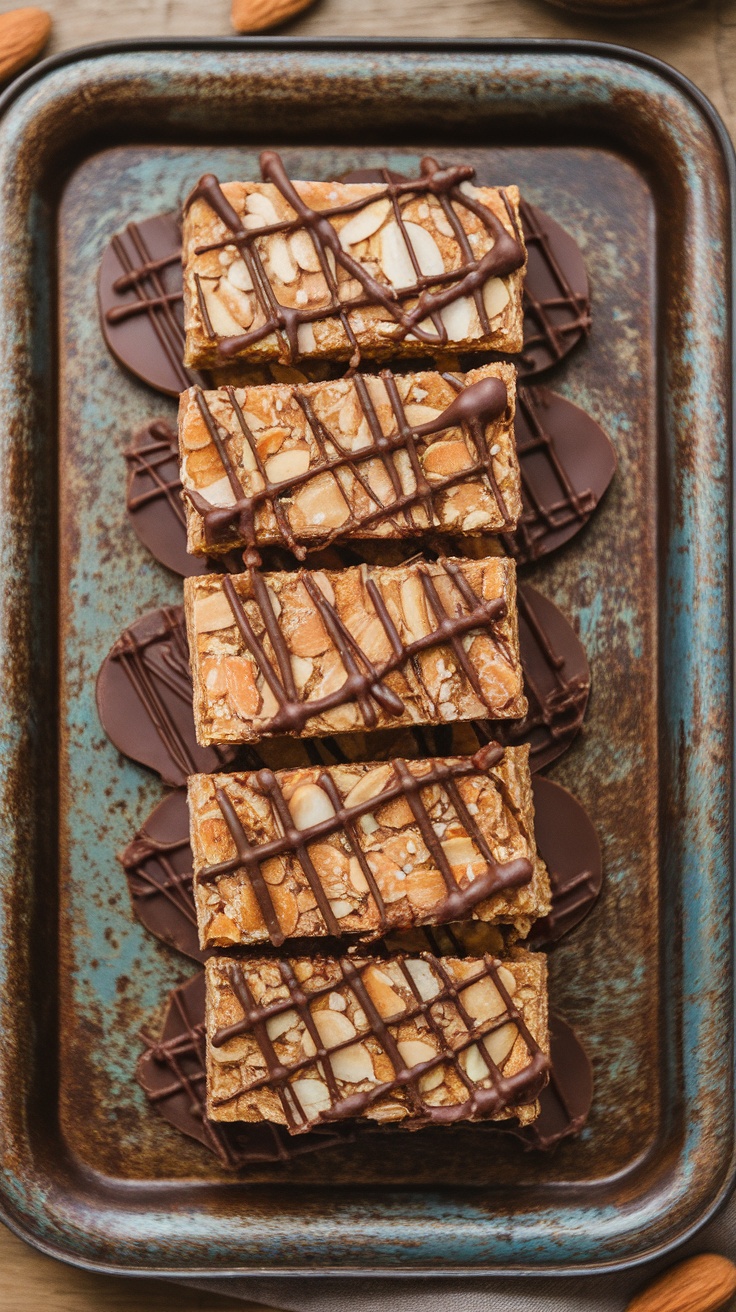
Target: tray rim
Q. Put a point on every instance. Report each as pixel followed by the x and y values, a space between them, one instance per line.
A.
pixel 611 53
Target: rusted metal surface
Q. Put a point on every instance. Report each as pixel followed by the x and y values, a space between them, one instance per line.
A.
pixel 622 154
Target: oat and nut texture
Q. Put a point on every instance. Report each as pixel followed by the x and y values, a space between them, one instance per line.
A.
pixel 270 444
pixel 320 1049
pixel 291 269
pixel 387 836
pixel 328 620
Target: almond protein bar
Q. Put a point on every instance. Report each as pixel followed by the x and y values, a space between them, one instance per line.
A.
pixel 364 848
pixel 313 653
pixel 293 271
pixel 372 456
pixel 419 1040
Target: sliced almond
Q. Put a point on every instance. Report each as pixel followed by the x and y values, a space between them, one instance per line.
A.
pixel 415 1052
pixel 426 250
pixel 499 1043
pixel 427 983
pixel 420 414
pixel 309 806
pixel 323 583
pixel 460 851
pixel 336 1002
pixel 259 204
pixel 482 1000
pixel 364 223
pixel 443 459
pixel 312 1095
pixel 242 692
pixel 279 1024
pixel 319 504
pixel 287 465
pixel 333 1027
pixel 334 676
pixel 356 876
pixel 238 304
pixel 219 493
pixel 302 669
pixel 395 259
pixel 239 275
pixel 222 931
pixel 212 613
pixel 234 1050
pixel 222 321
pixel 386 1000
pixel 340 908
pixel 495 296
pixel 414 608
pixel 353 1065
pixel 279 259
pixel 370 785
pixel 304 252
pixel 305 339
pixel 270 440
pixel 432 1080
pixel 458 318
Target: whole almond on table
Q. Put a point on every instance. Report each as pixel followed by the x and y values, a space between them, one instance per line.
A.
pixel 700 1284
pixel 23 35
pixel 255 15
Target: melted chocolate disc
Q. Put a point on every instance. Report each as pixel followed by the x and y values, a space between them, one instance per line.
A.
pixel 141 303
pixel 556 683
pixel 569 847
pixel 158 863
pixel 565 1101
pixel 155 507
pixel 172 1074
pixel 144 699
pixel 566 464
pixel 556 293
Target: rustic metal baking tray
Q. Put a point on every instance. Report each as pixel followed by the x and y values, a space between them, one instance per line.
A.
pixel 630 157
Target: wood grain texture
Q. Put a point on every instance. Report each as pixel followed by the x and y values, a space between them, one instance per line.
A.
pixel 700 41
pixel 30 1282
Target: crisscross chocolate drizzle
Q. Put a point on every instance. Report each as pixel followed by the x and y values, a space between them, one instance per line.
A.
pixel 475 406
pixel 481 1102
pixel 430 292
pixel 460 897
pixel 365 682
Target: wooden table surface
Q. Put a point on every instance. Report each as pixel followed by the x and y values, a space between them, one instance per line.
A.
pixel 700 41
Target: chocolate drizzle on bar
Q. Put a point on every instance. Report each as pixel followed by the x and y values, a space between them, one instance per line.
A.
pixel 365 680
pixel 172 1074
pixel 432 293
pixel 481 1102
pixel 460 897
pixel 144 699
pixel 141 303
pixel 475 406
pixel 566 463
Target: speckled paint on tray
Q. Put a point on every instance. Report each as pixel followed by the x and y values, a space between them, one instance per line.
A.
pixel 647 583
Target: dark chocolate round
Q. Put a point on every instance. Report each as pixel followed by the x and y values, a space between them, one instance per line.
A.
pixel 566 1100
pixel 556 683
pixel 566 464
pixel 141 303
pixel 155 507
pixel 172 1074
pixel 569 847
pixel 158 863
pixel 556 293
pixel 144 699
